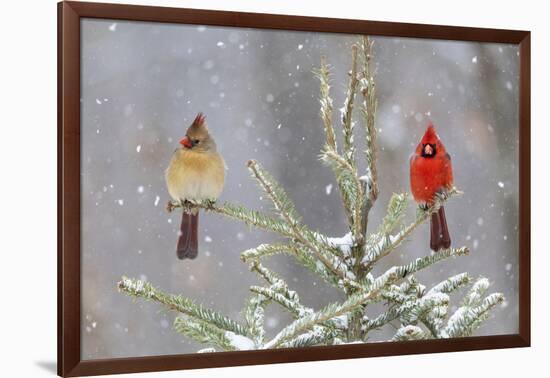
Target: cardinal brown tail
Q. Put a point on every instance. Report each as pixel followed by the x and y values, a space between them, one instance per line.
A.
pixel 439 232
pixel 188 245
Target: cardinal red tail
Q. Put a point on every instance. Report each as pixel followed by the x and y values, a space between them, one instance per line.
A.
pixel 445 237
pixel 439 232
pixel 435 231
pixel 188 245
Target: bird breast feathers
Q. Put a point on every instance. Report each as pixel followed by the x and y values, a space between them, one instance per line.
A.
pixel 428 176
pixel 195 175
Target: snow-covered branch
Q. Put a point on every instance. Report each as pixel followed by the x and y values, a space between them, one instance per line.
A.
pixel 307 322
pixel 409 332
pixel 474 310
pixel 278 291
pixel 144 290
pixel 254 314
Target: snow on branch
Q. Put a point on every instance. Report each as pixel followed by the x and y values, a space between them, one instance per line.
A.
pixel 303 257
pixel 474 310
pixel 317 336
pixel 346 262
pixel 278 291
pixel 254 315
pixel 204 333
pixel 144 290
pixel 393 313
pixel 409 332
pixel 424 262
pixel 307 322
pixel 430 308
pixel 451 284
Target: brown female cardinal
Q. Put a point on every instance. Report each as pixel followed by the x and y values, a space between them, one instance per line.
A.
pixel 431 173
pixel 196 172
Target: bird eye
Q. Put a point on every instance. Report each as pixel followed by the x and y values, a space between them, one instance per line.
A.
pixel 196 141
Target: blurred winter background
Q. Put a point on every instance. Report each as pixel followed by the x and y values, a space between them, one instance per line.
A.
pixel 142 84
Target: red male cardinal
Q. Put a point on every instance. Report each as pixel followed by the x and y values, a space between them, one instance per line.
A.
pixel 431 172
pixel 196 172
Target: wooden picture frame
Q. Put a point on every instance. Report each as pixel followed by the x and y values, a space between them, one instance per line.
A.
pixel 70 362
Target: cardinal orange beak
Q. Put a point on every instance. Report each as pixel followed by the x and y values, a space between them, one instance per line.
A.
pixel 186 142
pixel 428 150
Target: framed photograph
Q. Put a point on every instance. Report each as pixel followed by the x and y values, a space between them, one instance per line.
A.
pixel 240 188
